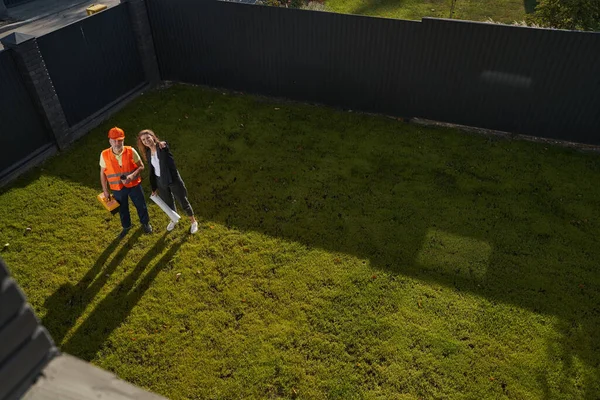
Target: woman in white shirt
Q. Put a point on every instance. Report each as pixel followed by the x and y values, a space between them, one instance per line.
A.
pixel 164 175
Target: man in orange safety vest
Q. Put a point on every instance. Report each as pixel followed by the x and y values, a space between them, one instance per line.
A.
pixel 120 168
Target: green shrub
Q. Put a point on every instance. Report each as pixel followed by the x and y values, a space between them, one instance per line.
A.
pixel 283 3
pixel 567 14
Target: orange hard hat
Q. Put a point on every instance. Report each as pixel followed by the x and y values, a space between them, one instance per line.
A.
pixel 116 133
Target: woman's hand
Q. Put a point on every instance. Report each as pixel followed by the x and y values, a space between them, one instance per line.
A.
pixel 153 193
pixel 162 144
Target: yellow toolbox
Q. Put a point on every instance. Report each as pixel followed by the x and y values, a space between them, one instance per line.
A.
pixel 111 204
pixel 94 8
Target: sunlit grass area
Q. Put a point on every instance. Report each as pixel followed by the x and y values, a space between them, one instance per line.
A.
pixel 506 11
pixel 340 256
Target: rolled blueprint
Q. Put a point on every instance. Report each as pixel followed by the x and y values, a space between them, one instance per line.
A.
pixel 173 216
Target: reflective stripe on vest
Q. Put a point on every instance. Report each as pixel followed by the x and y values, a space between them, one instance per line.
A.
pixel 114 171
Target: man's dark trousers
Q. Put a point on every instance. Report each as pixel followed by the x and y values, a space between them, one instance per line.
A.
pixel 137 197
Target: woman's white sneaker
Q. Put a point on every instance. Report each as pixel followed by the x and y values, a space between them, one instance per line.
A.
pixel 194 227
pixel 171 226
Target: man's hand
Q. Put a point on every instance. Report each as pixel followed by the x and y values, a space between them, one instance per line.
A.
pixel 104 184
pixel 153 193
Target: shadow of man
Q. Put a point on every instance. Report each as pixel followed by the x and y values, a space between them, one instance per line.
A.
pixel 116 306
pixel 69 301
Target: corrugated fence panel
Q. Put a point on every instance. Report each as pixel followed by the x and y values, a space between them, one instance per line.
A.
pixel 22 129
pixel 92 62
pixel 26 345
pixel 331 58
pixel 531 81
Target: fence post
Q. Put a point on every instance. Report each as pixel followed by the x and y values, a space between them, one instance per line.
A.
pixel 32 67
pixel 140 23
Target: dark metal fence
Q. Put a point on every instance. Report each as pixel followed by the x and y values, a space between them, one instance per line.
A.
pixel 22 129
pixel 531 81
pixel 92 62
pixel 26 345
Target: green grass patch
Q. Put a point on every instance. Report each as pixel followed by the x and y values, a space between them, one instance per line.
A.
pixel 506 11
pixel 340 256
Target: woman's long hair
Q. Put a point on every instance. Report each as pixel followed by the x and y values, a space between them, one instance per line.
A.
pixel 141 147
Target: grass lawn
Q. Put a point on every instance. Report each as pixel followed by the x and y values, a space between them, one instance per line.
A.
pixel 506 11
pixel 340 256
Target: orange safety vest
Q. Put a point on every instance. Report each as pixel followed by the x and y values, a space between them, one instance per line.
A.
pixel 114 171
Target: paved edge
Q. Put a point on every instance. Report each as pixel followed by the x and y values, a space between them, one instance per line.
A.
pixel 15 25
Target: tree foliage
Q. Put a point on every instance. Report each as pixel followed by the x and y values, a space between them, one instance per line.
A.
pixel 284 3
pixel 568 14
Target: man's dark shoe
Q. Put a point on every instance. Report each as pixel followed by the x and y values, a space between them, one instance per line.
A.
pixel 124 232
pixel 147 228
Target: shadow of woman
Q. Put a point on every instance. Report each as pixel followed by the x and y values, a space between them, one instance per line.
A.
pixel 116 306
pixel 69 301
